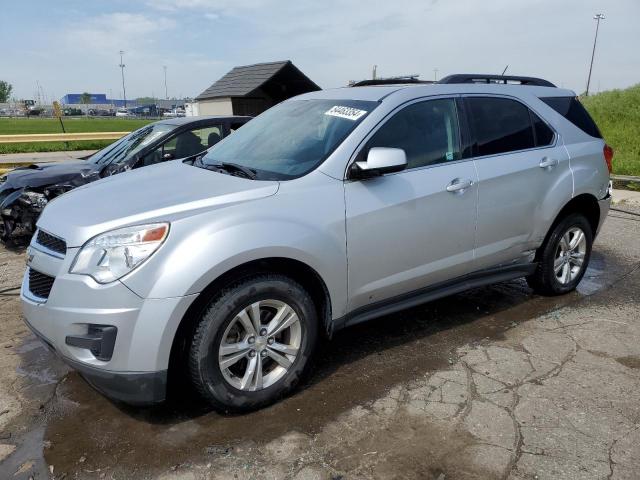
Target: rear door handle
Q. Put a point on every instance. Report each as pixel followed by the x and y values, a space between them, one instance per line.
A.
pixel 547 162
pixel 458 185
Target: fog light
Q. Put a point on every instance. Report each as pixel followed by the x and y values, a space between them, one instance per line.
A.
pixel 100 340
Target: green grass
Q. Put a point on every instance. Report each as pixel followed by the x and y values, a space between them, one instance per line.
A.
pixel 15 126
pixel 617 113
pixel 53 146
pixel 26 125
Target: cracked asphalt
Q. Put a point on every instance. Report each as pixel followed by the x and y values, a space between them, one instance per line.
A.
pixel 493 383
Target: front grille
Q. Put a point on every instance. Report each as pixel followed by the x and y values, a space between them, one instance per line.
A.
pixel 52 242
pixel 40 284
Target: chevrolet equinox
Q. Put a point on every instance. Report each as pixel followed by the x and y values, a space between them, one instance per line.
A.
pixel 329 209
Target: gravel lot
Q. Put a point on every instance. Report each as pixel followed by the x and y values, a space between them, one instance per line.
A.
pixel 493 383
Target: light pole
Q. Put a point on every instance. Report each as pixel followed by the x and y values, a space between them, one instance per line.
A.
pixel 435 74
pixel 597 18
pixel 166 96
pixel 124 92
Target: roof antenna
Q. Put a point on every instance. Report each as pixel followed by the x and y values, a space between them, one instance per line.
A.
pixel 504 71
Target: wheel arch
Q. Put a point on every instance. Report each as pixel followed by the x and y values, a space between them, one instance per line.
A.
pixel 586 204
pixel 297 270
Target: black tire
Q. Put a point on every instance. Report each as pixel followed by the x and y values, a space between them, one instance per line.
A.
pixel 544 280
pixel 205 371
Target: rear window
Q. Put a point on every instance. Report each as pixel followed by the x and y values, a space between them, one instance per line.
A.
pixel 571 109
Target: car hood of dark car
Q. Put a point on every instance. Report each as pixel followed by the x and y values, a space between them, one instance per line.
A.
pixel 45 174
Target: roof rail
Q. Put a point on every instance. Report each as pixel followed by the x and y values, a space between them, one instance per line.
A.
pixel 389 81
pixel 480 78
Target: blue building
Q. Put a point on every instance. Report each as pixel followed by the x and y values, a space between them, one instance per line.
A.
pixel 75 98
pixel 96 99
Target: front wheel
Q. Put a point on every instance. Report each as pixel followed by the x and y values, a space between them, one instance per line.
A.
pixel 253 343
pixel 564 257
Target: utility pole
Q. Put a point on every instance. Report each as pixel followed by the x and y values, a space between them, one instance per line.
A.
pixel 435 74
pixel 597 18
pixel 166 96
pixel 375 71
pixel 124 92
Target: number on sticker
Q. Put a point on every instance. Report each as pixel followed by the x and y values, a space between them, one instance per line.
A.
pixel 349 113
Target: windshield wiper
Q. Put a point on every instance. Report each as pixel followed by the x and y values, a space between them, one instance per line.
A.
pixel 226 167
pixel 249 173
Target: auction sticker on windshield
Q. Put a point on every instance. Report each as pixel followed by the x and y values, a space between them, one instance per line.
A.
pixel 349 113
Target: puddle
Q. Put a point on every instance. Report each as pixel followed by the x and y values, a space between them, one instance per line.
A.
pixel 603 271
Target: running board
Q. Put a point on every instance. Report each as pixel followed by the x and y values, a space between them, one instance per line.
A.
pixel 434 292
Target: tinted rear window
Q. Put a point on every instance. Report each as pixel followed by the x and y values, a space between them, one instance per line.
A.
pixel 500 125
pixel 571 109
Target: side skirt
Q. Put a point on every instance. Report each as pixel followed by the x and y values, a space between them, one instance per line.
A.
pixel 433 292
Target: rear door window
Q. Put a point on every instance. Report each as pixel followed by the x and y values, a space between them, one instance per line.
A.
pixel 500 125
pixel 571 109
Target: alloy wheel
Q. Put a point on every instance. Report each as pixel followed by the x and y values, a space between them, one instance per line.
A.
pixel 260 345
pixel 570 255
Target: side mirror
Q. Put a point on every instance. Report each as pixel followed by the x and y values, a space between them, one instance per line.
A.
pixel 380 160
pixel 167 156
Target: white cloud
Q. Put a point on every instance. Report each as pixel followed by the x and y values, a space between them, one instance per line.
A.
pixel 114 31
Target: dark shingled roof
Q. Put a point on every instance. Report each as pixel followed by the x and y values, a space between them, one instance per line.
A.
pixel 241 81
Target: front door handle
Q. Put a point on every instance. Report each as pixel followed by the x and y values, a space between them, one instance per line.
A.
pixel 547 162
pixel 458 185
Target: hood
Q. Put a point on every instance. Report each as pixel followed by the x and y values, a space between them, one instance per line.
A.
pixel 42 175
pixel 157 193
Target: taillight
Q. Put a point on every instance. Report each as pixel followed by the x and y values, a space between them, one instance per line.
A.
pixel 608 157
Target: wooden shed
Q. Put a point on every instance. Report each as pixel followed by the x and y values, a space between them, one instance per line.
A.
pixel 252 89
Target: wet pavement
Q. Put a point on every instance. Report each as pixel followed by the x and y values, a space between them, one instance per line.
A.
pixel 493 383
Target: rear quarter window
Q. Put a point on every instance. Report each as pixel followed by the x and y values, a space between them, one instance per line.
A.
pixel 544 135
pixel 571 109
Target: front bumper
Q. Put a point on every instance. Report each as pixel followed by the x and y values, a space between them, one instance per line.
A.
pixel 136 370
pixel 142 388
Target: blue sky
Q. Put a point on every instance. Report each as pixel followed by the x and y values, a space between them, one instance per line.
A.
pixel 72 46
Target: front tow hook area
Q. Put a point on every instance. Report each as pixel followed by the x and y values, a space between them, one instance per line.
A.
pixel 99 339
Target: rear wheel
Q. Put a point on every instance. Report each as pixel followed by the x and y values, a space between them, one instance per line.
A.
pixel 253 343
pixel 563 258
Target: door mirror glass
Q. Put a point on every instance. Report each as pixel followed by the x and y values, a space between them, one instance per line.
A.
pixel 381 160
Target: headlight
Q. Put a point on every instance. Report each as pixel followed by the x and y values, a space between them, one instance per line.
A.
pixel 111 255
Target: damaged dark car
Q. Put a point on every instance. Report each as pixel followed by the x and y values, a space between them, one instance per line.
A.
pixel 25 191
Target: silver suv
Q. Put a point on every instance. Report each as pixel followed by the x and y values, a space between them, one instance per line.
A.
pixel 327 210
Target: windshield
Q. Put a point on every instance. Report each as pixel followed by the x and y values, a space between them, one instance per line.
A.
pixel 129 145
pixel 290 139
